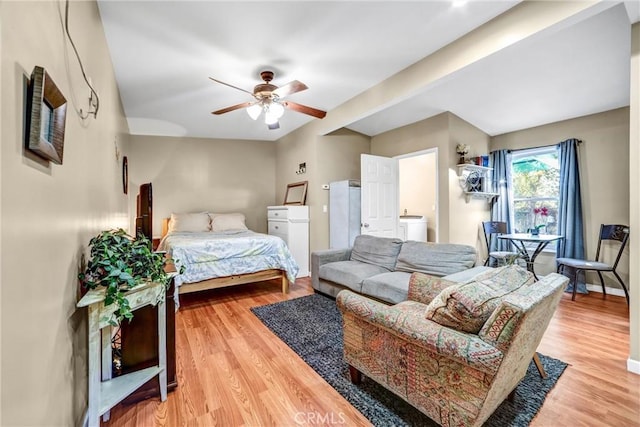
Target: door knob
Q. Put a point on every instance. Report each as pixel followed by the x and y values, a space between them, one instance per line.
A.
pixel 366 225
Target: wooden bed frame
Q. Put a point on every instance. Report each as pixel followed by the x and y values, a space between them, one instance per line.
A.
pixel 238 279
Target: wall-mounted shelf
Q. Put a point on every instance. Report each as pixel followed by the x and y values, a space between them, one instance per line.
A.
pixel 476 182
pixel 479 195
pixel 470 167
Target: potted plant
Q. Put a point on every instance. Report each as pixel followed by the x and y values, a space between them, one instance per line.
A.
pixel 544 213
pixel 118 262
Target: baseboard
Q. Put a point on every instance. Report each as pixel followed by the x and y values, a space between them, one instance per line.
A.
pixel 633 366
pixel 610 291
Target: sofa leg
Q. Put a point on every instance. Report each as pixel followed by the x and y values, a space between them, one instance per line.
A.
pixel 355 375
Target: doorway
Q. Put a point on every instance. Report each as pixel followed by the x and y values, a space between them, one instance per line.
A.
pixel 418 187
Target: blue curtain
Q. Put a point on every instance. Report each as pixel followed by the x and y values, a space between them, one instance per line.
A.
pixel 500 209
pixel 570 223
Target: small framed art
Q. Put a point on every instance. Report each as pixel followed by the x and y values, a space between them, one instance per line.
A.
pixel 46 116
pixel 125 175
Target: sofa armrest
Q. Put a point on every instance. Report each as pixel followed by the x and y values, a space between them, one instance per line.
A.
pixel 500 329
pixel 461 347
pixel 424 288
pixel 319 258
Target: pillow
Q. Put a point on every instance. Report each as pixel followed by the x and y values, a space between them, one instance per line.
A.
pixel 189 222
pixel 225 222
pixel 381 251
pixel 467 306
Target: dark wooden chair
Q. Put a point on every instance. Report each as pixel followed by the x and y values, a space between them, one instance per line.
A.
pixel 492 228
pixel 615 232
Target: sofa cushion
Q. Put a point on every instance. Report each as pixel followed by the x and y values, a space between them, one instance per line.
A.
pixel 436 259
pixel 380 251
pixel 467 306
pixel 390 287
pixel 349 273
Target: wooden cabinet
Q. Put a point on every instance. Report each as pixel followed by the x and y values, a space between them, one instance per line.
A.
pixel 139 346
pixel 291 223
pixel 106 391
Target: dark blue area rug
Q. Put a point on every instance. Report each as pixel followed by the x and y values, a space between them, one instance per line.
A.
pixel 312 327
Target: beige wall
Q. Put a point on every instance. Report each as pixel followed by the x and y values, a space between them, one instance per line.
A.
pixel 634 197
pixel 458 220
pixel 338 158
pixel 49 212
pixel 329 158
pixel 198 174
pixel 604 174
pixel 429 133
pixel 465 217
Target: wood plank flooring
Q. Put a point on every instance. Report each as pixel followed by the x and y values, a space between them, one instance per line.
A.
pixel 233 371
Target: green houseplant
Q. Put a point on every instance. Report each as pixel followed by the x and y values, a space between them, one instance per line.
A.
pixel 119 262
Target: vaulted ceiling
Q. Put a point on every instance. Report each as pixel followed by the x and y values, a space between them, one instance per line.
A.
pixel 164 52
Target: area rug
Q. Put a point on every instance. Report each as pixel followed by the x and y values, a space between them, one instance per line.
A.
pixel 312 327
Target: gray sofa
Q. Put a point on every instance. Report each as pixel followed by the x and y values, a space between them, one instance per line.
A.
pixel 380 267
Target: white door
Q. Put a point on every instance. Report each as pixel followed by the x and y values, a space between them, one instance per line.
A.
pixel 379 195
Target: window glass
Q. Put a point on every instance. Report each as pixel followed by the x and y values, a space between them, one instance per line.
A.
pixel 535 184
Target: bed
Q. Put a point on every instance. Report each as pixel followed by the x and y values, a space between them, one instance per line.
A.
pixel 217 250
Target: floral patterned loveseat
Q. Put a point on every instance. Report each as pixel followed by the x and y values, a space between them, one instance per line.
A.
pixel 455 351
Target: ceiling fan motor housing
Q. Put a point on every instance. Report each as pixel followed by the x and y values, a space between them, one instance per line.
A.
pixel 264 90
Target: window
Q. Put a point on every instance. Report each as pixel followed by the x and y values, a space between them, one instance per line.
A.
pixel 535 186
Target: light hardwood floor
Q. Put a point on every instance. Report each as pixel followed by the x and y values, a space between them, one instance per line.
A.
pixel 233 371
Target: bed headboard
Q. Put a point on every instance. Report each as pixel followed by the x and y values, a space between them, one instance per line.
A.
pixel 165 226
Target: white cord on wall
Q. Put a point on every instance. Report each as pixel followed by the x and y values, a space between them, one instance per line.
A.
pixel 93 102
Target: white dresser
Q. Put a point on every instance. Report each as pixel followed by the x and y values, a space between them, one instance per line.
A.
pixel 291 223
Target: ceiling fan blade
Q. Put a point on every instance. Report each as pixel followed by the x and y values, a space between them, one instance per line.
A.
pixel 274 126
pixel 230 85
pixel 289 88
pixel 233 107
pixel 305 109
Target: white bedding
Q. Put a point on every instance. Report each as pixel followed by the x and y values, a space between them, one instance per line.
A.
pixel 207 255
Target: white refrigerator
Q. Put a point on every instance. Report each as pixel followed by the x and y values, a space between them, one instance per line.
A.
pixel 344 213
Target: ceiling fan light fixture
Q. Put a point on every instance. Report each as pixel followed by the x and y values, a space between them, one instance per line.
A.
pixel 267 98
pixel 270 118
pixel 254 111
pixel 276 109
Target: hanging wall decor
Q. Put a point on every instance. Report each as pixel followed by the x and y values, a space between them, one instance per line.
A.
pixel 125 175
pixel 46 115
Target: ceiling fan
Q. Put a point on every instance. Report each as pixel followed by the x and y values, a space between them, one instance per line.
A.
pixel 268 98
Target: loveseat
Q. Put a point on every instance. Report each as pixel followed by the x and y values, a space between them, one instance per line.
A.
pixel 380 267
pixel 454 351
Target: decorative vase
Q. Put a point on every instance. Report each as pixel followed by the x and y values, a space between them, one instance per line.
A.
pixel 461 160
pixel 535 231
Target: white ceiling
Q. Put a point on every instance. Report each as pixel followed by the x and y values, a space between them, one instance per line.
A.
pixel 164 51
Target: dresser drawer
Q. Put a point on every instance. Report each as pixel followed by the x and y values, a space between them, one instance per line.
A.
pixel 279 227
pixel 277 214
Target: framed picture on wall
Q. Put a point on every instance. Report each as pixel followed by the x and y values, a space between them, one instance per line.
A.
pixel 46 117
pixel 125 175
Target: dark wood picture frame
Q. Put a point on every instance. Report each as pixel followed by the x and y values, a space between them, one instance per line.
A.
pixel 296 193
pixel 125 175
pixel 46 116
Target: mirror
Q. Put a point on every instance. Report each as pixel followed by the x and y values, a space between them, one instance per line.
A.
pixel 296 193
